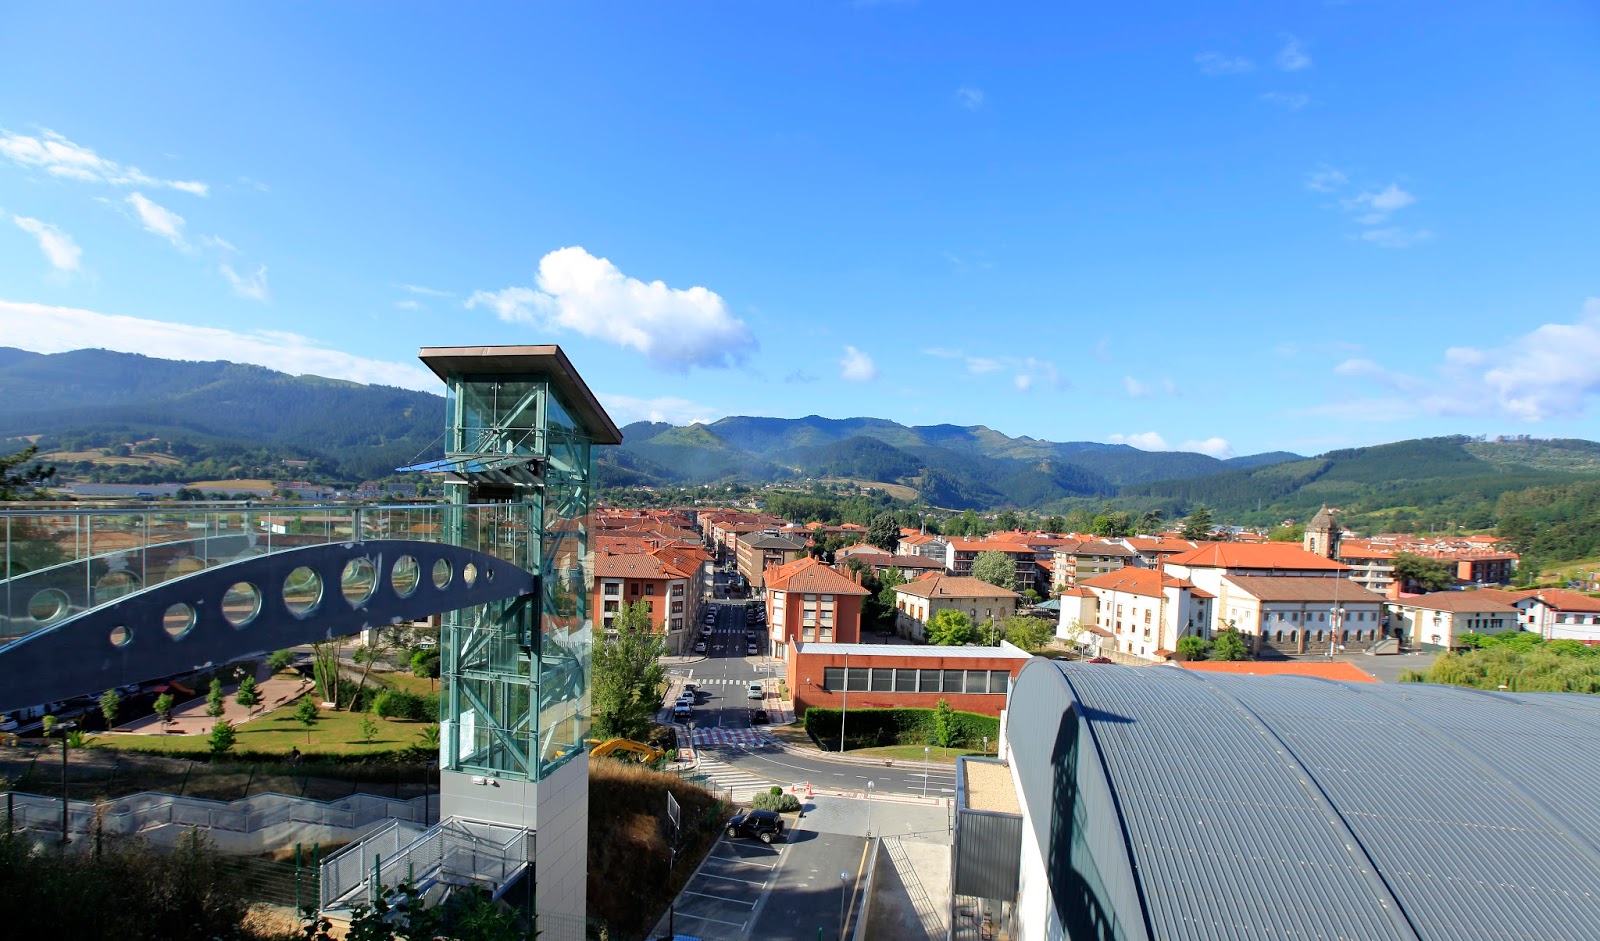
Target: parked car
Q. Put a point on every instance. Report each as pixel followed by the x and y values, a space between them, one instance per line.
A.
pixel 687 699
pixel 682 713
pixel 756 692
pixel 689 689
pixel 764 825
pixel 700 647
pixel 758 717
pixel 749 650
pixel 1099 660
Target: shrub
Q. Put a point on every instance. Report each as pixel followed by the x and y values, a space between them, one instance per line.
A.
pixel 781 802
pixel 866 728
pixel 399 704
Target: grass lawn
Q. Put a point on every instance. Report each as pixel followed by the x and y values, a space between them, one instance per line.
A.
pixel 407 682
pixel 913 753
pixel 334 733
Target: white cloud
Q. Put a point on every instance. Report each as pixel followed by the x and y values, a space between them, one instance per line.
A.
pixel 1135 388
pixel 857 366
pixel 58 247
pixel 1023 382
pixel 1218 448
pixel 1293 102
pixel 59 157
pixel 1293 57
pixel 979 365
pixel 1026 371
pixel 160 220
pixel 425 292
pixel 625 409
pixel 1144 441
pixel 46 329
pixel 1152 441
pixel 676 328
pixel 1326 179
pixel 253 286
pixel 1551 372
pixel 1376 206
pixel 969 98
pixel 1215 63
pixel 408 305
pixel 1395 237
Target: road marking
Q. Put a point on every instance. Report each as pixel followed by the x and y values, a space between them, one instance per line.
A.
pixel 741 859
pixel 736 924
pixel 712 875
pixel 856 888
pixel 721 898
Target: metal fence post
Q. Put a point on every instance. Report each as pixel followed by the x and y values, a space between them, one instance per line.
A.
pixel 297 878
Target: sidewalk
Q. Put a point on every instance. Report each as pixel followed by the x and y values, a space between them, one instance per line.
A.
pixel 189 717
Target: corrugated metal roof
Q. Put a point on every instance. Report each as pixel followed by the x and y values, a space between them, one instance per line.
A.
pixel 1259 806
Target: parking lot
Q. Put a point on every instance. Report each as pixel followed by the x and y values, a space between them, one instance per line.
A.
pixel 721 901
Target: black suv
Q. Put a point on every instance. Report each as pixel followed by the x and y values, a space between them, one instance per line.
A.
pixel 764 825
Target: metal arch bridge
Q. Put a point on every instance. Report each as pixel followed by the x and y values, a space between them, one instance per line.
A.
pixel 169 591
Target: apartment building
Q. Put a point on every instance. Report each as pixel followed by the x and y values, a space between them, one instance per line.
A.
pixel 916 602
pixel 809 602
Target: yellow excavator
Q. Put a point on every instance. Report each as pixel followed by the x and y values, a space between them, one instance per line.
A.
pixel 623 748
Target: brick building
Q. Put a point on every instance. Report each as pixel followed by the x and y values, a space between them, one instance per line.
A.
pixel 884 676
pixel 809 602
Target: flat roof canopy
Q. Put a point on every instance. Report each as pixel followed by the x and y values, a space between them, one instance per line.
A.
pixel 522 360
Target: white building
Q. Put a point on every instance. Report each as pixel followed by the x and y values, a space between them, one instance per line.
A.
pixel 1436 621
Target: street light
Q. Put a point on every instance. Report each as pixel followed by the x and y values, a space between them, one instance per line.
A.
pixel 64 727
pixel 869 810
pixel 1336 615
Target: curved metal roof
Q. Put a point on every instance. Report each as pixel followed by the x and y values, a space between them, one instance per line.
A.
pixel 1285 806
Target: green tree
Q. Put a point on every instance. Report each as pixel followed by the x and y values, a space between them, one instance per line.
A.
pixel 280 660
pixel 944 724
pixel 1055 524
pixel 1007 521
pixel 223 736
pixel 1112 525
pixel 306 713
pixel 1229 646
pixel 1029 633
pixel 16 484
pixel 628 676
pixel 425 663
pixel 949 628
pixel 1198 524
pixel 369 728
pixel 1152 522
pixel 1072 633
pixel 214 699
pixel 884 532
pixel 1419 571
pixel 996 568
pixel 248 695
pixel 1191 647
pixel 110 705
pixel 163 707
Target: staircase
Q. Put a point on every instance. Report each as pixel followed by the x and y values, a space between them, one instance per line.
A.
pixel 453 853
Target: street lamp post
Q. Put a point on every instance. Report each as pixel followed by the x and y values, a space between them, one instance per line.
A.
pixel 64 727
pixel 925 750
pixel 869 810
pixel 1336 615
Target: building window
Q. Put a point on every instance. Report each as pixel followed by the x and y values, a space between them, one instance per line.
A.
pixel 611 607
pixel 856 680
pixel 633 588
pixel 833 678
pixel 613 588
pixel 650 589
pixel 882 681
pixel 929 682
pixel 905 681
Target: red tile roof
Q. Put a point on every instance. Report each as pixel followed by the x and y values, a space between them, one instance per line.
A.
pixel 1563 600
pixel 634 565
pixel 810 575
pixel 954 586
pixel 1473 601
pixel 1137 581
pixel 1337 670
pixel 1267 555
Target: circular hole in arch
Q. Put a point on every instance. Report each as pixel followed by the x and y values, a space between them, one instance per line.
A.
pixel 188 565
pixel 488 575
pixel 178 621
pixel 120 636
pixel 114 584
pixel 49 605
pixel 302 591
pixel 405 575
pixel 441 573
pixel 241 603
pixel 359 580
pixel 469 573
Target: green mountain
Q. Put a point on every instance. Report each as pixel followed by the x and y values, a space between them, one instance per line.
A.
pixel 92 398
pixel 1451 479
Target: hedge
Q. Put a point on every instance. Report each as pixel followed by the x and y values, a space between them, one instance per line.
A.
pixel 866 728
pixel 399 704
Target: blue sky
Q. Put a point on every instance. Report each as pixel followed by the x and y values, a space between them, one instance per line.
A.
pixel 1225 227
